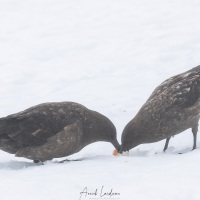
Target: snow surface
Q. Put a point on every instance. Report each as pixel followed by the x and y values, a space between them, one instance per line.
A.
pixel 108 55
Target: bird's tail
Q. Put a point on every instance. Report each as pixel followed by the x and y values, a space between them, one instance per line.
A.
pixel 6 143
pixel 9 145
pixel 3 126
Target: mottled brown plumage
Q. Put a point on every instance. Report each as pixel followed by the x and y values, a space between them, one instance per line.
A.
pixel 53 130
pixel 172 108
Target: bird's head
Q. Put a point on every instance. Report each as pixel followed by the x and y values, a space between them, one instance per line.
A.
pixel 130 138
pixel 105 130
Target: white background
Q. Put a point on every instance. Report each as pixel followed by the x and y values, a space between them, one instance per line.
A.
pixel 108 55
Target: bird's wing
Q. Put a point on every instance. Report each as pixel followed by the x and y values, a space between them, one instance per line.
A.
pixel 64 143
pixel 31 127
pixel 187 93
pixel 178 92
pixel 175 81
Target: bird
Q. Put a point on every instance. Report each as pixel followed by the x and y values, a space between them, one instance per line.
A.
pixel 172 108
pixel 54 130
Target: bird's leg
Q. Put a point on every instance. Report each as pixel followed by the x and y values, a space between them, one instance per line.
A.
pixel 194 131
pixel 166 144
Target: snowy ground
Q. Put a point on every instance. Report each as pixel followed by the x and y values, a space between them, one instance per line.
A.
pixel 108 55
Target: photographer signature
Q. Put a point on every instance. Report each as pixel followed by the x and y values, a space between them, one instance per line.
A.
pixel 99 193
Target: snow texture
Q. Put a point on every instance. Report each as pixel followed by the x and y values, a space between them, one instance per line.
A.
pixel 108 55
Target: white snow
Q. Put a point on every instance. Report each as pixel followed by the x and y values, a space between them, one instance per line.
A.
pixel 108 55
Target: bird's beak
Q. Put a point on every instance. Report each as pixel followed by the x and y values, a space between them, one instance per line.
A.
pixel 120 151
pixel 116 145
pixel 123 153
